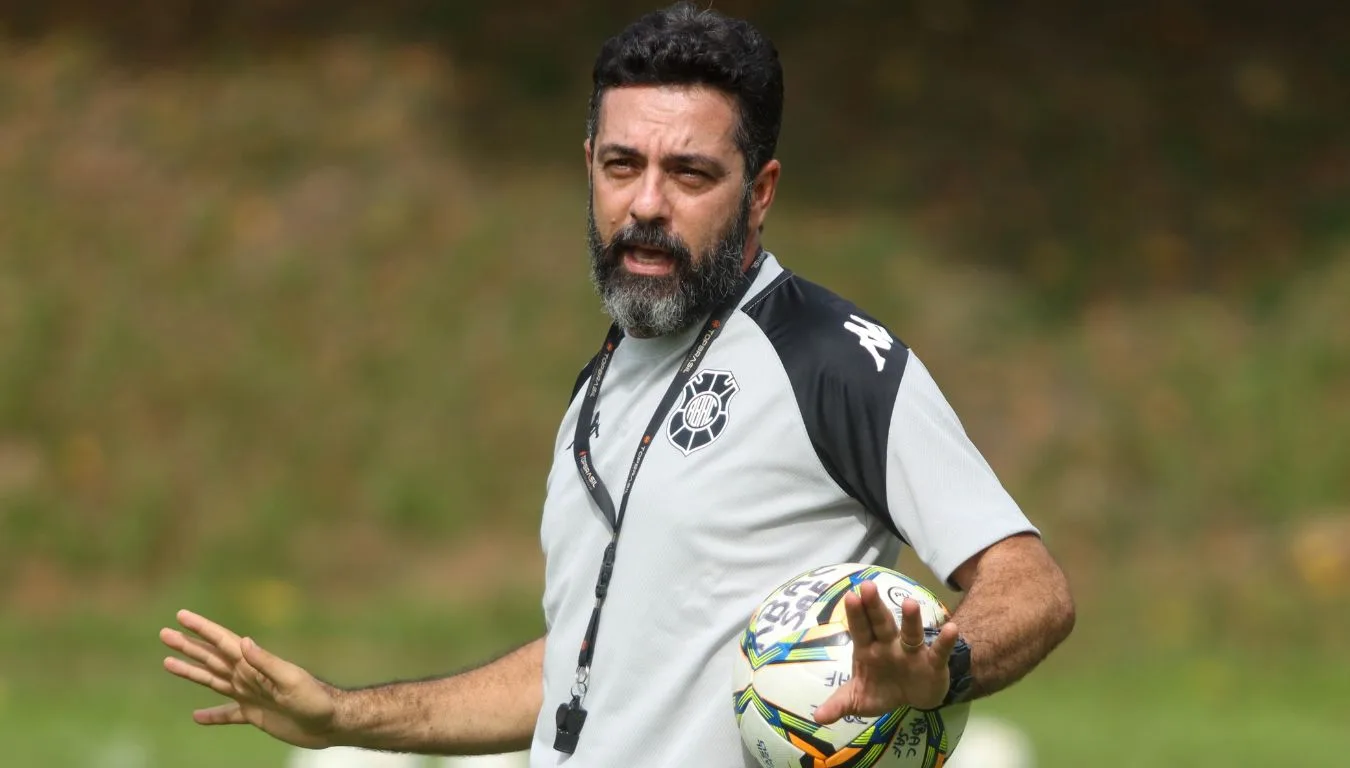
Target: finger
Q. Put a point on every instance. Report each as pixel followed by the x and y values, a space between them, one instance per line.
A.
pixel 174 639
pixel 911 625
pixel 945 642
pixel 225 714
pixel 200 676
pixel 836 706
pixel 248 679
pixel 197 650
pixel 225 641
pixel 859 628
pixel 878 615
pixel 279 673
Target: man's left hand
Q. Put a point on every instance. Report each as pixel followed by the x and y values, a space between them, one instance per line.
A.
pixel 893 666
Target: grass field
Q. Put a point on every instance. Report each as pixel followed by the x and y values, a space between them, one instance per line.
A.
pixel 1199 711
pixel 93 695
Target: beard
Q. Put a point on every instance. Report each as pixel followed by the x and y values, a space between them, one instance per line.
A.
pixel 656 305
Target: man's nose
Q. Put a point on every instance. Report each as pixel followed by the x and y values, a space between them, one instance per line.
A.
pixel 651 205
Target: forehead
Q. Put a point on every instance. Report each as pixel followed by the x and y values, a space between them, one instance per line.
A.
pixel 656 119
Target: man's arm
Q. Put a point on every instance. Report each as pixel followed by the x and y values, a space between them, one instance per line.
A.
pixel 1017 609
pixel 489 709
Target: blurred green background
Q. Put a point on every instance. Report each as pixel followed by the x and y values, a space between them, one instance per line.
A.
pixel 292 293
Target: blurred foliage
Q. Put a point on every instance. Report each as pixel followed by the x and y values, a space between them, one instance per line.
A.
pixel 267 320
pixel 1148 147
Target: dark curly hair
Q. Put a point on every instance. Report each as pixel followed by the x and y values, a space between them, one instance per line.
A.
pixel 682 45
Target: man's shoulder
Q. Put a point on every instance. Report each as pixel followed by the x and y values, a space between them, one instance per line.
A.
pixel 818 332
pixel 844 368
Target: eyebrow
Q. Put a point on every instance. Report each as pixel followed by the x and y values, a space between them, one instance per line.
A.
pixel 617 149
pixel 708 162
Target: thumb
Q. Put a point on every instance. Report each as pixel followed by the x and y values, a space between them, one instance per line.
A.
pixel 223 714
pixel 839 704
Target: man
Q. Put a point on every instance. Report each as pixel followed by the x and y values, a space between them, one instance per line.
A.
pixel 738 426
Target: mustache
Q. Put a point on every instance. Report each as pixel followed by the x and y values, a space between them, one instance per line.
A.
pixel 646 235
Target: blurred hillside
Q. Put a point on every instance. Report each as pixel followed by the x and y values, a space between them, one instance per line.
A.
pixel 267 318
pixel 1142 148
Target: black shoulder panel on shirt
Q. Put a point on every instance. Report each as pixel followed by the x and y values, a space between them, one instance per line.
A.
pixel 581 379
pixel 845 370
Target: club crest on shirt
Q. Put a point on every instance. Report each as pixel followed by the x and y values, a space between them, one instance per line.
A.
pixel 702 412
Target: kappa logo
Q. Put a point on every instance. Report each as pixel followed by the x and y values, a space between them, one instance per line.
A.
pixel 703 410
pixel 873 338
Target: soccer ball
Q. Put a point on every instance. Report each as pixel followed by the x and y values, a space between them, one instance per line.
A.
pixel 796 651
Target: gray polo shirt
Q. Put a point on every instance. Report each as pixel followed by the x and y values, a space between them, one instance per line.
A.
pixel 809 436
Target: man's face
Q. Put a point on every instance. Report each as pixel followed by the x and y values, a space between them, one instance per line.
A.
pixel 670 211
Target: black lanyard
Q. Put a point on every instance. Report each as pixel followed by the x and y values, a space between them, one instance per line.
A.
pixel 570 715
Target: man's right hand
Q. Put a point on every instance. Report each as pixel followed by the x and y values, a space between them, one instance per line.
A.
pixel 267 692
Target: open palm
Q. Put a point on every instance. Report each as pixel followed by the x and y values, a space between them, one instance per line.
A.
pixel 266 691
pixel 893 665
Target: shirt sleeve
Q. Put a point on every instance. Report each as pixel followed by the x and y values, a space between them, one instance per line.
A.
pixel 941 493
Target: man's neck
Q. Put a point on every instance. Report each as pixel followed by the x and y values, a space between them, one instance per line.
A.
pixel 751 251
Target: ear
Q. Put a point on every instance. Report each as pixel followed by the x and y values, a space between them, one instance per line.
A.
pixel 586 146
pixel 762 192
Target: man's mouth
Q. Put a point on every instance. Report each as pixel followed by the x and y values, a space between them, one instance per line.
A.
pixel 645 260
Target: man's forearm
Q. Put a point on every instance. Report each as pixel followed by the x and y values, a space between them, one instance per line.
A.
pixel 490 709
pixel 1017 610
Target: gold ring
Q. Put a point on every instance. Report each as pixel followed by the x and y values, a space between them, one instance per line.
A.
pixel 911 648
